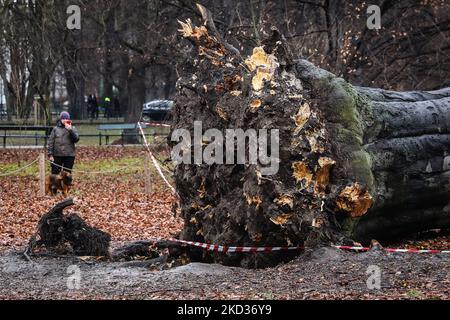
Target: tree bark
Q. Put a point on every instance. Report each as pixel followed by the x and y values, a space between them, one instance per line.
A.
pixel 354 163
pixel 136 97
pixel 5 92
pixel 73 71
pixel 108 75
pixel 396 145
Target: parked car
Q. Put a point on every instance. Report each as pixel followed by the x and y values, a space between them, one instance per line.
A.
pixel 158 110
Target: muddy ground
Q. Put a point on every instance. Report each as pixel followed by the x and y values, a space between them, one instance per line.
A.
pixel 323 274
pixel 116 204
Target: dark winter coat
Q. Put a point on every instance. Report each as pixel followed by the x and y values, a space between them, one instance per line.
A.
pixel 62 141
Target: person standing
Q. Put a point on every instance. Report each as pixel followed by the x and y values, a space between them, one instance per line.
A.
pixel 95 104
pixel 90 104
pixel 108 110
pixel 61 144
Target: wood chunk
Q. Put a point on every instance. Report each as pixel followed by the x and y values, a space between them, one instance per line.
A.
pixel 322 177
pixel 302 173
pixel 354 200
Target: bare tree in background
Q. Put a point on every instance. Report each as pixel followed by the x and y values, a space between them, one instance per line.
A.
pixel 131 50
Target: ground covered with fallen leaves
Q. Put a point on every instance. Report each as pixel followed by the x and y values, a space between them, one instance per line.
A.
pixel 113 202
pixel 116 203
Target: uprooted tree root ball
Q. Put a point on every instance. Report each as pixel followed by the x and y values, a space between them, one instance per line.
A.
pixel 354 163
pixel 57 230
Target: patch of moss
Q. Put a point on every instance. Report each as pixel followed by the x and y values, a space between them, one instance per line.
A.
pixel 362 167
pixel 348 225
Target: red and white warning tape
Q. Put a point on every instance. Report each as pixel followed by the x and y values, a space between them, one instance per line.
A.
pixel 227 249
pixel 392 250
pixel 155 163
pixel 155 124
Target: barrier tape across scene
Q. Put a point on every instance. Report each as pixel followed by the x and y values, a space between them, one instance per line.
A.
pixel 90 172
pixel 229 249
pixel 19 169
pixel 155 124
pixel 364 249
pixel 155 162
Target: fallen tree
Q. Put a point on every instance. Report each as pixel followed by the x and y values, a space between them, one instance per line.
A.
pixel 354 163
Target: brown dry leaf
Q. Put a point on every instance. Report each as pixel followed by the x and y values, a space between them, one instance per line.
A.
pixel 86 258
pixel 256 200
pixel 211 54
pixel 202 190
pixel 256 104
pixel 193 220
pixel 190 31
pixel 285 200
pixel 256 237
pixel 302 172
pixel 281 219
pixel 355 200
pixel 317 223
pixel 221 112
pixel 302 117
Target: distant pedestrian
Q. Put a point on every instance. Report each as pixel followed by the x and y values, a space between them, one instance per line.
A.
pixel 107 106
pixel 95 103
pixel 90 106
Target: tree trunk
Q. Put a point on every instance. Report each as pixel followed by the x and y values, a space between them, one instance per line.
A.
pixel 5 92
pixel 73 71
pixel 354 163
pixel 76 89
pixel 108 58
pixel 136 98
pixel 408 145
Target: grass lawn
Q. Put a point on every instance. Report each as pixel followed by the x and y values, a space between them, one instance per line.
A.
pixel 120 167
